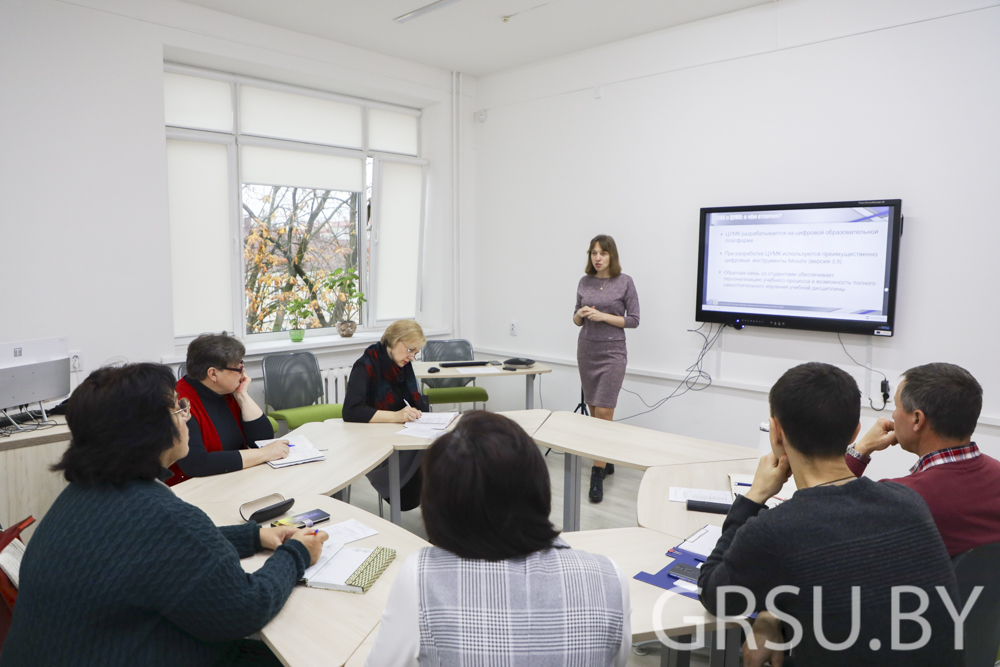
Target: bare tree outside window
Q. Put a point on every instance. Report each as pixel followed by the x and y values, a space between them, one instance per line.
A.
pixel 294 238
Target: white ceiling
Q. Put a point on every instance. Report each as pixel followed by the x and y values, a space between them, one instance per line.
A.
pixel 470 35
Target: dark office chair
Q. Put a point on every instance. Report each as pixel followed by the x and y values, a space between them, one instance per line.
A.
pixel 452 390
pixel 293 388
pixel 979 567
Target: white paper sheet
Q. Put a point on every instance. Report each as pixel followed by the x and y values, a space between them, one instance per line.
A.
pixel 703 541
pixel 429 432
pixel 300 450
pixel 346 531
pixel 439 420
pixel 679 494
pixel 477 370
pixel 337 570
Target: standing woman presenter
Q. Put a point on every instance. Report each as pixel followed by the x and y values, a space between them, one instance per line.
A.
pixel 606 305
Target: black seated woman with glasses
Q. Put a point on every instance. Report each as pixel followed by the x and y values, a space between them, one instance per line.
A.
pixel 120 570
pixel 226 421
pixel 383 389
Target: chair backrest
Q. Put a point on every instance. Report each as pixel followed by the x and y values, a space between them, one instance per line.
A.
pixel 978 567
pixel 455 349
pixel 292 380
pixel 182 370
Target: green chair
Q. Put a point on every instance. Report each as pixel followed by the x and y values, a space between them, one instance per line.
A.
pixel 293 388
pixel 452 390
pixel 274 424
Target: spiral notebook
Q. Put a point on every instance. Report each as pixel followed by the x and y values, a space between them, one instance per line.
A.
pixel 351 569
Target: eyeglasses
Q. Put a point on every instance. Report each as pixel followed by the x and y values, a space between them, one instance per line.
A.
pixel 412 351
pixel 236 370
pixel 185 410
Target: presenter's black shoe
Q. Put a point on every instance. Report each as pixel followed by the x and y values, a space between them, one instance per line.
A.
pixel 596 484
pixel 609 469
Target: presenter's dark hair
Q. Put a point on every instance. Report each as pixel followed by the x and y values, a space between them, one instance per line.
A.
pixel 120 422
pixel 486 491
pixel 213 351
pixel 607 244
pixel 818 407
pixel 947 394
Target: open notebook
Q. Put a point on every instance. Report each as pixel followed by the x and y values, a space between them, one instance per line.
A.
pixel 300 450
pixel 10 561
pixel 351 569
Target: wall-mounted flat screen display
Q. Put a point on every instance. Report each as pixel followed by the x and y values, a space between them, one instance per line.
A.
pixel 825 267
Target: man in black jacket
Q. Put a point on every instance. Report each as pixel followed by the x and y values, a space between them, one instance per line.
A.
pixel 864 570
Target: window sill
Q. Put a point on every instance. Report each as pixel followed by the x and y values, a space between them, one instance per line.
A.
pixel 256 351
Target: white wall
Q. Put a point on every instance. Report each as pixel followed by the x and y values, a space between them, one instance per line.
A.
pixel 802 100
pixel 83 165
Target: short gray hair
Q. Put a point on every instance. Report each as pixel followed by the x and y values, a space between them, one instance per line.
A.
pixel 947 394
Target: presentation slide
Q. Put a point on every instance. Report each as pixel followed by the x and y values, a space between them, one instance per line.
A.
pixel 824 262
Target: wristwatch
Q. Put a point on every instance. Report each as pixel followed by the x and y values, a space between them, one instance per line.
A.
pixel 858 455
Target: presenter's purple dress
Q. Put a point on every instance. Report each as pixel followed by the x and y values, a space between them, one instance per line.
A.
pixel 600 351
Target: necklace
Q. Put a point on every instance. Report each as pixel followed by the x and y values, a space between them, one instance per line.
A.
pixel 842 479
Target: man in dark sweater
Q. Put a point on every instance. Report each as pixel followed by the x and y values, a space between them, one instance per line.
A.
pixel 857 559
pixel 122 572
pixel 937 410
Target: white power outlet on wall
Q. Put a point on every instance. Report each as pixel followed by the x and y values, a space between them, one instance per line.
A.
pixel 76 361
pixel 513 328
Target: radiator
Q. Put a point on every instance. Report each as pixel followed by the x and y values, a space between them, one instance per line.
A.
pixel 335 383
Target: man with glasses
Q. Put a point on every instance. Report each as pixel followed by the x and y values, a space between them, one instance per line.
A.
pixel 226 420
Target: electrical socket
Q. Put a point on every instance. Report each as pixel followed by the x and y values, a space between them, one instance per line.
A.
pixel 76 361
pixel 513 327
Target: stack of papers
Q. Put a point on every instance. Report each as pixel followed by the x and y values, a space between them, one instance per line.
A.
pixel 430 425
pixel 300 450
pixel 680 494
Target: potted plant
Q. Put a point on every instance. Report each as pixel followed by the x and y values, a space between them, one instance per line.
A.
pixel 347 300
pixel 297 310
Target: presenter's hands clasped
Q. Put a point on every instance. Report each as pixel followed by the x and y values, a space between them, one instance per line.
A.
pixel 408 414
pixel 276 450
pixel 592 314
pixel 880 436
pixel 771 475
pixel 314 543
pixel 273 537
pixel 766 628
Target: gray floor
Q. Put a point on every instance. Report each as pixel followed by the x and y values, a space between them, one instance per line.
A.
pixel 616 511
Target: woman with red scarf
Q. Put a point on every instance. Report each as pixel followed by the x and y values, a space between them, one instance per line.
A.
pixel 383 389
pixel 225 421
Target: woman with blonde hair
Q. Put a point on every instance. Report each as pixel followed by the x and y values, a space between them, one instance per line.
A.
pixel 606 305
pixel 383 389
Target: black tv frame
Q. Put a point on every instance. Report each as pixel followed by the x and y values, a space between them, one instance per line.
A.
pixel 739 320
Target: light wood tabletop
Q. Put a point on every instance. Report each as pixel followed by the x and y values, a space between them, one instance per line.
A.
pixel 359 657
pixel 420 370
pixel 320 627
pixel 656 511
pixel 352 450
pixel 644 550
pixel 631 446
pixel 42 436
pixel 529 420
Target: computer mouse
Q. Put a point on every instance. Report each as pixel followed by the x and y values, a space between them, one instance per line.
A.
pixel 433 369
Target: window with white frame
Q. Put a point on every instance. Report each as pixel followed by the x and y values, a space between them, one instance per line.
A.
pixel 277 194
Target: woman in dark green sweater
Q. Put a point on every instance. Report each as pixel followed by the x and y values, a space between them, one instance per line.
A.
pixel 121 571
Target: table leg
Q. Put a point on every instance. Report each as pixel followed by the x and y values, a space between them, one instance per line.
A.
pixel 344 495
pixel 671 657
pixel 571 492
pixel 729 656
pixel 394 513
pixel 529 391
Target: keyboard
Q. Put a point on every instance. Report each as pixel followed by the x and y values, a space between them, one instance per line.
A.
pixel 456 364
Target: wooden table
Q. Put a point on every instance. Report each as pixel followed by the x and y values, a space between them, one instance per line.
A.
pixel 352 450
pixel 621 444
pixel 420 369
pixel 657 512
pixel 529 420
pixel 320 627
pixel 27 486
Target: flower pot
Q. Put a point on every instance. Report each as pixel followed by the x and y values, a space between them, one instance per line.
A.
pixel 346 329
pixel 297 335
